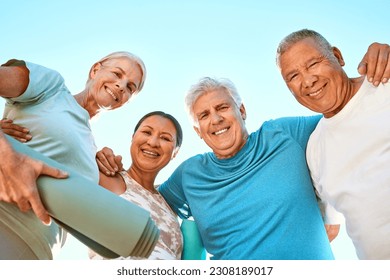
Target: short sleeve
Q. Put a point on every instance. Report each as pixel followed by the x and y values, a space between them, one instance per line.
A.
pixel 172 191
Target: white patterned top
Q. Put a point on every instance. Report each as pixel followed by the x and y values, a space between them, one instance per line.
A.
pixel 170 243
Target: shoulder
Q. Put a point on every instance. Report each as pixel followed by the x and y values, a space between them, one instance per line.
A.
pixel 42 72
pixel 292 121
pixel 196 159
pixel 114 184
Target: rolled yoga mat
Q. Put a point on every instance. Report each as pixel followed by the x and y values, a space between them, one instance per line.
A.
pixel 102 220
pixel 192 241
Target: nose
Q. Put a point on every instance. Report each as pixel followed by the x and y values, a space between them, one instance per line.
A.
pixel 216 118
pixel 309 80
pixel 154 141
pixel 121 86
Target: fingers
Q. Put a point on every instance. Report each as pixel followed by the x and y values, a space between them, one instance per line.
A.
pixel 53 172
pixel 32 201
pixel 33 197
pixel 18 132
pixel 376 64
pixel 24 205
pixel 103 168
pixel 362 68
pixel 386 74
pixel 118 161
pixel 106 161
pixel 39 209
pixel 381 63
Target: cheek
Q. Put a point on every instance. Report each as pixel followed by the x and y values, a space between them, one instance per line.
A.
pixel 294 88
pixel 168 151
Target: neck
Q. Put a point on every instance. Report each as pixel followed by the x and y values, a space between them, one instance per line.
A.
pixel 351 89
pixel 244 140
pixel 145 179
pixel 82 100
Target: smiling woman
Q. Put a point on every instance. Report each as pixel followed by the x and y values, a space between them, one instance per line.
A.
pixel 41 112
pixel 112 82
pixel 156 141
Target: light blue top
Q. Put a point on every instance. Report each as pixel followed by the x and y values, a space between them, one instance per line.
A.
pixel 59 125
pixel 259 204
pixel 60 129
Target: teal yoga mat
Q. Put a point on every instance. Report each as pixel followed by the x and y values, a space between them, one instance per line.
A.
pixel 103 221
pixel 192 242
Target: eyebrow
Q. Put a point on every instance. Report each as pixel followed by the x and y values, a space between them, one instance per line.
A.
pixel 163 132
pixel 203 112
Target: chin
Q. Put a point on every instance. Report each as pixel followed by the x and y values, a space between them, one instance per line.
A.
pixel 106 108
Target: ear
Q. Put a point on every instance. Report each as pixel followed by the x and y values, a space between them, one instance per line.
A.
pixel 243 112
pixel 338 55
pixel 175 151
pixel 197 131
pixel 94 69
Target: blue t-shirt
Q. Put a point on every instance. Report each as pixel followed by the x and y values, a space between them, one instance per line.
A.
pixel 259 204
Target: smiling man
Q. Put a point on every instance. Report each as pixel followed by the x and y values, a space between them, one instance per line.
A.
pixel 349 151
pixel 252 196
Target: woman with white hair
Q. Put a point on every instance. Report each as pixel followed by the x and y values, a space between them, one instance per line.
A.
pixel 42 112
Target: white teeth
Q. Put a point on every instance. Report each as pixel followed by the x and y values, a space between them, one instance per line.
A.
pixel 112 94
pixel 313 94
pixel 220 131
pixel 150 153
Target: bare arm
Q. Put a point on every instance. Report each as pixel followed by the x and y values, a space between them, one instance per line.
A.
pixel 13 80
pixel 113 183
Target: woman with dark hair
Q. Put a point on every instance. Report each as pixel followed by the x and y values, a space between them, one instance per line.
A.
pixel 156 140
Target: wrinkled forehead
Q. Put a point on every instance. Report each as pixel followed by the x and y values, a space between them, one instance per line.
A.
pixel 298 53
pixel 215 95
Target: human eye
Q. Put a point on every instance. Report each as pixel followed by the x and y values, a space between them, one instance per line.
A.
pixel 202 116
pixel 223 107
pixel 166 138
pixel 146 132
pixel 313 63
pixel 291 77
pixel 131 88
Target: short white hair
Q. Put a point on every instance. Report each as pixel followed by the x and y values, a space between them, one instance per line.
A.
pixel 132 57
pixel 206 85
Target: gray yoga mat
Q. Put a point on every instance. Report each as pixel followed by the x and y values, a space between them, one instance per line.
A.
pixel 103 221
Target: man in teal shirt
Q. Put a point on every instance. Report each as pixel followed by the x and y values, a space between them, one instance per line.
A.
pixel 252 197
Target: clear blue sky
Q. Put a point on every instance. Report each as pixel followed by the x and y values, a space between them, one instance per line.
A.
pixel 181 41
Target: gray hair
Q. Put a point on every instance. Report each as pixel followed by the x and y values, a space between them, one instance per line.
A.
pixel 132 57
pixel 206 85
pixel 302 34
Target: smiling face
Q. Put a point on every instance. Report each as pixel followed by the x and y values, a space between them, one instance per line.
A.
pixel 113 82
pixel 220 123
pixel 153 144
pixel 316 80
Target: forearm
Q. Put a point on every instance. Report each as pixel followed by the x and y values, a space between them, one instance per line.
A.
pixel 5 148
